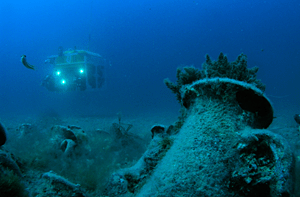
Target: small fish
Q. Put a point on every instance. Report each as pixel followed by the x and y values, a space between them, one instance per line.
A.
pixel 25 63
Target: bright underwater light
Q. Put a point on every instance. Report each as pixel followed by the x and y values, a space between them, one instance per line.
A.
pixel 58 73
pixel 81 71
pixel 63 81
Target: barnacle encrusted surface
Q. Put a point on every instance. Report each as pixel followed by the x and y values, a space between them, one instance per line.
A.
pixel 219 146
pixel 220 68
pixel 234 70
pixel 229 82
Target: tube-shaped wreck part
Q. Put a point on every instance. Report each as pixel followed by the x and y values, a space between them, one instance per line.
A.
pixel 221 146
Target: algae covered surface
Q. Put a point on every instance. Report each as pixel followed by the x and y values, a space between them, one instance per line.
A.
pixel 220 142
pixel 39 166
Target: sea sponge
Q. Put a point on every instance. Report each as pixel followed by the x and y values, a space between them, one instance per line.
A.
pixel 230 82
pixel 233 70
pixel 220 68
pixel 186 76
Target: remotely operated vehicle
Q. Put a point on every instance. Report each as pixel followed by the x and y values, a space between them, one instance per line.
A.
pixel 75 70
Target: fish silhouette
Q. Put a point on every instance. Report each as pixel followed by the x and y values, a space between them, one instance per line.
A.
pixel 25 63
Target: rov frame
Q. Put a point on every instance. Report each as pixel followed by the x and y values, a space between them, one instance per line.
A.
pixel 76 70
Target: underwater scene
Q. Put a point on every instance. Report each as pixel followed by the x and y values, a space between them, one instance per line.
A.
pixel 170 98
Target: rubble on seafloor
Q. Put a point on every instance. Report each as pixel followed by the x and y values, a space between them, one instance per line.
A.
pixel 63 160
pixel 221 145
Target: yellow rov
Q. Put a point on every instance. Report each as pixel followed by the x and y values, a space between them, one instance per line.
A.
pixel 75 70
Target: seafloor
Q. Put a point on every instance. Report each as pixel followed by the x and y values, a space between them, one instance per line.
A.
pixel 101 152
pixel 33 145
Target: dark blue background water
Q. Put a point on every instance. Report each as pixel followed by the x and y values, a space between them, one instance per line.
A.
pixel 145 41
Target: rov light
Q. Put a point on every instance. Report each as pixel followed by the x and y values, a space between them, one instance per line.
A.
pixel 63 81
pixel 81 71
pixel 58 73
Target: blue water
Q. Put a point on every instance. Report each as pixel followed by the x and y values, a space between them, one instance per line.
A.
pixel 145 41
